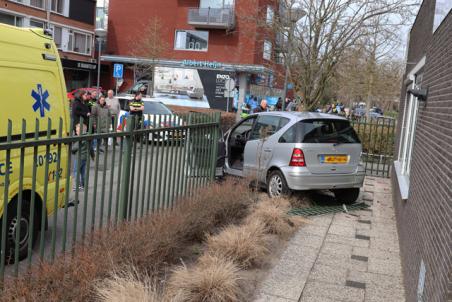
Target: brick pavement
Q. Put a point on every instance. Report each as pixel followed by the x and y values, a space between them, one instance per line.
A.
pixel 342 257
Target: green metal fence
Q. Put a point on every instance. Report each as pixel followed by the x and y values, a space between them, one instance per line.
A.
pixel 378 137
pixel 144 168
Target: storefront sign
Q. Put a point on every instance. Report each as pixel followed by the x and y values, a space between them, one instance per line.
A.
pixel 78 65
pixel 86 66
pixel 202 64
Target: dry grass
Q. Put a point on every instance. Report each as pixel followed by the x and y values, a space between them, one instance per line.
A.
pixel 246 244
pixel 213 279
pixel 272 213
pixel 127 286
pixel 149 245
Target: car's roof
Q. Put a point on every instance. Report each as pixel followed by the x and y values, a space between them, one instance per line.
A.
pixel 303 115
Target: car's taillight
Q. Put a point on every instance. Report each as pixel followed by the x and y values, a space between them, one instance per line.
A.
pixel 297 159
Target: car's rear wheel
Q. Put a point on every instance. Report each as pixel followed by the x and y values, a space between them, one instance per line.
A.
pixel 277 185
pixel 347 196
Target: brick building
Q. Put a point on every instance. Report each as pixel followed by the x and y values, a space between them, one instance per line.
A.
pixel 423 186
pixel 72 22
pixel 207 42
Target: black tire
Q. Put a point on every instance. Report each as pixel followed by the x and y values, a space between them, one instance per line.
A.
pixel 11 226
pixel 277 185
pixel 346 196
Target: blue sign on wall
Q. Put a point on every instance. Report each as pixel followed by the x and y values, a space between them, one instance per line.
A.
pixel 118 71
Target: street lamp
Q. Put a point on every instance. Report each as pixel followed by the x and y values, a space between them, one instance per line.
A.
pixel 295 14
pixel 101 33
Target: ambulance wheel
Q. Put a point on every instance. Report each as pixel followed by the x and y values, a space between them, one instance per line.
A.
pixel 12 227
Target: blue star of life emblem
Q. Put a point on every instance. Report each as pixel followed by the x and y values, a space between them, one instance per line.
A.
pixel 40 100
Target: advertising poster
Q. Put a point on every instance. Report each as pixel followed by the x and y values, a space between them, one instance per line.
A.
pixel 192 87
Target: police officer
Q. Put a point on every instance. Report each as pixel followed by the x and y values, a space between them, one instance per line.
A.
pixel 136 108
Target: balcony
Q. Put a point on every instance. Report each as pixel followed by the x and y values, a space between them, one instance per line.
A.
pixel 213 18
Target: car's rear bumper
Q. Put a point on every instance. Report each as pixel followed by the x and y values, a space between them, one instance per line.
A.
pixel 302 179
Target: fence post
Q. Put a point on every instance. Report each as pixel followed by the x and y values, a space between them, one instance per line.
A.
pixel 125 181
pixel 215 144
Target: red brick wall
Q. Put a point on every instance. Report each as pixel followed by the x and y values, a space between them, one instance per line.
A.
pixel 127 19
pixel 425 219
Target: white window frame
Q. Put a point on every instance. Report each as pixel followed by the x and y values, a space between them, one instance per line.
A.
pixel 270 15
pixel 53 26
pixel 89 42
pixel 16 18
pixel 407 135
pixel 38 7
pixel 38 21
pixel 194 44
pixel 63 4
pixel 268 48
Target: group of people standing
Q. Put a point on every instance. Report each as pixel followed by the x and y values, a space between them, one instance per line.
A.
pixel 252 105
pixel 102 112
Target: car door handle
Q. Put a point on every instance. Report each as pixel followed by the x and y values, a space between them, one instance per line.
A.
pixel 268 150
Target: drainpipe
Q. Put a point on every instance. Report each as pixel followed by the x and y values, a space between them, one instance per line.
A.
pixel 48 6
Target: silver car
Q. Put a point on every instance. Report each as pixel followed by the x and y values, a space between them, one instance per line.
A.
pixel 292 151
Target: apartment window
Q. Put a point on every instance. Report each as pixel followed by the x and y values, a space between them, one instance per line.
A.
pixel 216 3
pixel 279 57
pixel 36 23
pixel 57 6
pixel 191 40
pixel 270 15
pixel 267 50
pixel 11 19
pixel 58 36
pixel 80 43
pixel 37 3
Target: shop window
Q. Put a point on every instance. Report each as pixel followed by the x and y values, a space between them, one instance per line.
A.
pixel 36 23
pixel 11 19
pixel 80 42
pixel 267 50
pixel 195 40
pixel 37 3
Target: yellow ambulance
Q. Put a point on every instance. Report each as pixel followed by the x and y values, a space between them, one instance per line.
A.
pixel 32 88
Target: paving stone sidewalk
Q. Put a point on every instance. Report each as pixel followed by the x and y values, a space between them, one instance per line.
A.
pixel 342 257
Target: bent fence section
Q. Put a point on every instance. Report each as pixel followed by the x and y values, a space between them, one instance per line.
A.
pixel 377 137
pixel 57 187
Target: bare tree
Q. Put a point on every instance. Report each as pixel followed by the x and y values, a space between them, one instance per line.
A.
pixel 148 45
pixel 323 32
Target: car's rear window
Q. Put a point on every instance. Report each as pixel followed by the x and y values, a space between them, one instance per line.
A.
pixel 321 131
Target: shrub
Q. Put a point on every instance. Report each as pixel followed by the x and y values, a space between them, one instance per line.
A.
pixel 148 244
pixel 126 286
pixel 272 213
pixel 213 279
pixel 246 244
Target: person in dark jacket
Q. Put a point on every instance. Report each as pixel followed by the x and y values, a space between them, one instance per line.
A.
pixel 80 108
pixel 262 108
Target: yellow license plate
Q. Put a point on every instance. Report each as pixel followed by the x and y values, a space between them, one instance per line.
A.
pixel 334 159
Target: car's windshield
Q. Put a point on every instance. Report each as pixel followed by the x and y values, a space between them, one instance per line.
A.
pixel 156 108
pixel 328 131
